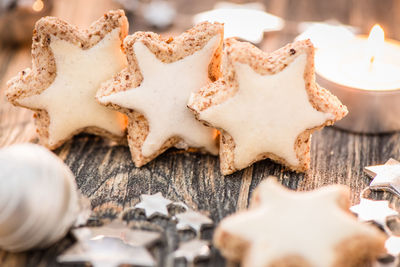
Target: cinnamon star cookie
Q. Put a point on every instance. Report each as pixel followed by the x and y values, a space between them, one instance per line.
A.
pixel 266 105
pixel 68 68
pixel 287 228
pixel 155 87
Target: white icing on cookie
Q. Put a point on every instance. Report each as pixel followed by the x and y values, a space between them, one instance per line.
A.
pixel 267 113
pixel 287 223
pixel 70 99
pixel 163 94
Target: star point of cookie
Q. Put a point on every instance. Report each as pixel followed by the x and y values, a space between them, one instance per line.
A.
pixel 68 68
pixel 153 90
pixel 266 105
pixel 313 228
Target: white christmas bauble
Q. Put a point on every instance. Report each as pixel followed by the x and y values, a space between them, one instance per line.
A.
pixel 39 201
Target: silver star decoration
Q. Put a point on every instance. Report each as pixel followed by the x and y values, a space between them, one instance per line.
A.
pixel 193 250
pixel 373 210
pixel 192 220
pixel 392 263
pixel 385 177
pixel 154 205
pixel 107 252
pixel 117 229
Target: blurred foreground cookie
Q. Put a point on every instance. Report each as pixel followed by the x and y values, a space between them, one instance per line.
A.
pixel 287 228
pixel 68 67
pixel 155 87
pixel 266 105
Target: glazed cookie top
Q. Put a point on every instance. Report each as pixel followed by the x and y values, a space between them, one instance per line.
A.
pixel 315 224
pixel 163 75
pixel 68 67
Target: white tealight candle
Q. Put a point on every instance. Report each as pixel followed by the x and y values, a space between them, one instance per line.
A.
pixel 363 63
pixel 364 73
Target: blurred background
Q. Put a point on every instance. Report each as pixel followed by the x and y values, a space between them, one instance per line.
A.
pixel 273 23
pixel 269 24
pixel 17 17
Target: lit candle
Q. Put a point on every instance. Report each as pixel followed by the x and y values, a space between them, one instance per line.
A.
pixel 364 72
pixel 38 5
pixel 363 63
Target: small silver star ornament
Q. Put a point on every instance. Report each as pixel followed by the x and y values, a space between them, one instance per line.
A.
pixel 374 210
pixel 107 252
pixel 193 250
pixel 154 205
pixel 111 245
pixel 385 177
pixel 118 229
pixel 192 220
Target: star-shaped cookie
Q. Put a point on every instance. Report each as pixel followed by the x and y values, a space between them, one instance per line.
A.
pixel 266 105
pixel 68 67
pixel 287 228
pixel 155 87
pixel 385 177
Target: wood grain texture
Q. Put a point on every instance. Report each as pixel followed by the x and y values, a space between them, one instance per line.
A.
pixel 105 173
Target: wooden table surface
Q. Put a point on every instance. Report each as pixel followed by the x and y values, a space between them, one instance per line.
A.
pixel 106 175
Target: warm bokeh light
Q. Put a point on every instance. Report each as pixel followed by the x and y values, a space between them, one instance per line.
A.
pixel 38 5
pixel 375 43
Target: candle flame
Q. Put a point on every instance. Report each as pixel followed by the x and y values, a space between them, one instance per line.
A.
pixel 38 5
pixel 375 43
pixel 98 237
